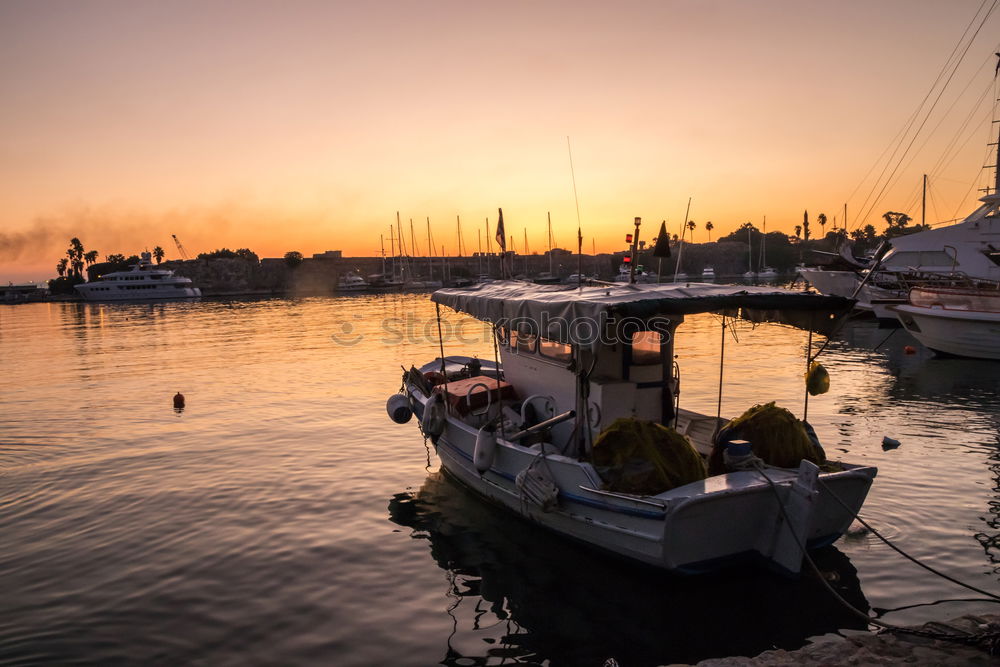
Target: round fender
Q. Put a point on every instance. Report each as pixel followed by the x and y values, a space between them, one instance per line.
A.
pixel 398 407
pixel 486 447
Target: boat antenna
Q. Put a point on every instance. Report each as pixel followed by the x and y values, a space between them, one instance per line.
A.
pixel 680 251
pixel 579 228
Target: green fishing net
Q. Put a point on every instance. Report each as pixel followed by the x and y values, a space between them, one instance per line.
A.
pixel 776 435
pixel 645 458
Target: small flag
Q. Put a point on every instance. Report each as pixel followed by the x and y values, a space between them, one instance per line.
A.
pixel 501 237
pixel 626 259
pixel 628 238
pixel 662 247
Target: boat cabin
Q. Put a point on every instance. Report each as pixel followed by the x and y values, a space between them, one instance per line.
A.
pixel 607 352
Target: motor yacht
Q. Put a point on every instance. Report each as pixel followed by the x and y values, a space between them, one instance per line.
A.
pixel 144 281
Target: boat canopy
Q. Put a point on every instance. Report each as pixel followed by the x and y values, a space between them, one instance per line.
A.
pixel 510 301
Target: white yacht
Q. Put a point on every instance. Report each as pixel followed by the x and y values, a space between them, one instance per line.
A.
pixel 143 282
pixel 968 250
pixel 351 282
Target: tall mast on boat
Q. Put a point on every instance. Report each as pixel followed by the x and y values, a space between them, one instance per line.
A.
pixel 430 252
pixel 680 250
pixel 413 240
pixel 459 221
pixel 480 253
pixel 763 246
pixel 392 249
pixel 489 247
pixel 549 214
pixel 381 241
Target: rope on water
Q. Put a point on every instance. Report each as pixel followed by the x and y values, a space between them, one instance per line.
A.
pixel 906 555
pixel 989 640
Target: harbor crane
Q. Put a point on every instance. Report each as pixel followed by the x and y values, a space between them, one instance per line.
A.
pixel 180 248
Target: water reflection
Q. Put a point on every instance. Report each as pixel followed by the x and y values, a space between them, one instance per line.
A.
pixel 519 593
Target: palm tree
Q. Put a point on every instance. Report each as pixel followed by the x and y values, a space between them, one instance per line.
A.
pixel 798 231
pixel 158 254
pixel 805 226
pixel 90 257
pixel 708 228
pixel 821 219
pixel 61 266
pixel 691 226
pixel 75 255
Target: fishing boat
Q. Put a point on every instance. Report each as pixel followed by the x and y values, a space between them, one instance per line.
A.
pixel 526 430
pixel 142 282
pixel 960 322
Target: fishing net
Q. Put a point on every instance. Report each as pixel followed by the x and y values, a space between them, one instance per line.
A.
pixel 775 434
pixel 645 458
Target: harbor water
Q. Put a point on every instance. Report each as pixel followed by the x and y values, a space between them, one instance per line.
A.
pixel 282 518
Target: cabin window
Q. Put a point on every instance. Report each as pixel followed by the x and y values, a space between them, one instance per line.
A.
pixel 555 350
pixel 524 341
pixel 646 348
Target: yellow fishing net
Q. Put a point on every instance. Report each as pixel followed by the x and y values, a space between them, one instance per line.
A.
pixel 645 458
pixel 776 435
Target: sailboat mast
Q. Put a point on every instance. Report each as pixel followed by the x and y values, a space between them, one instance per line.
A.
pixel 489 247
pixel 763 246
pixel 413 240
pixel 430 251
pixel 381 241
pixel 549 214
pixel 392 248
pixel 458 220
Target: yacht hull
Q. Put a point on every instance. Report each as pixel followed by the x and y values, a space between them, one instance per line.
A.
pixel 139 295
pixel 958 333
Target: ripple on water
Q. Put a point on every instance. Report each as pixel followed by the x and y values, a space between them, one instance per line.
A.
pixel 282 518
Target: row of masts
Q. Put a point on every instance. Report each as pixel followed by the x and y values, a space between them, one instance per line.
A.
pixel 398 247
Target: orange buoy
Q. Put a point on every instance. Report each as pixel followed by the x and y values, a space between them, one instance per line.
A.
pixel 178 401
pixel 909 349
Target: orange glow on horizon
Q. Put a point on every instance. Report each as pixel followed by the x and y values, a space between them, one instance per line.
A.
pixel 306 128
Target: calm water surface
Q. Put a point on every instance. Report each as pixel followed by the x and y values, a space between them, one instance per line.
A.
pixel 282 518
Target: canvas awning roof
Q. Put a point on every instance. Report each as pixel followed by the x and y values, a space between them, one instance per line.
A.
pixel 500 301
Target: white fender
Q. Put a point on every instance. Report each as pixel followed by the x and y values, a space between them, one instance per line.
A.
pixel 398 407
pixel 434 417
pixel 486 447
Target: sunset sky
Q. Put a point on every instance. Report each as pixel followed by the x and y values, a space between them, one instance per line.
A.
pixel 306 124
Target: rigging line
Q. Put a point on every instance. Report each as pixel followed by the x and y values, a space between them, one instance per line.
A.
pixel 943 159
pixel 909 123
pixel 972 183
pixel 971 114
pixel 916 113
pixel 931 110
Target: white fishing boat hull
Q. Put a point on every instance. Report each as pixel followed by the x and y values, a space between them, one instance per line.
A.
pixel 959 333
pixel 692 529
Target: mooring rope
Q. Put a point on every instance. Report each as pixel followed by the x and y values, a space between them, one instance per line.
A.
pixel 989 640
